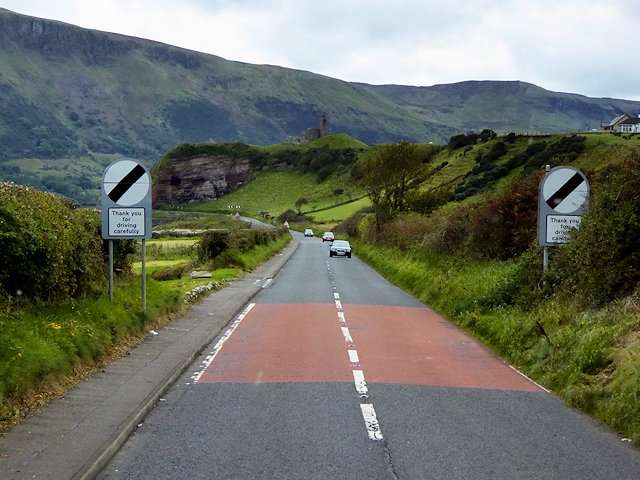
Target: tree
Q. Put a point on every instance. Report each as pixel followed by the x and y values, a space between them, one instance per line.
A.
pixel 388 175
pixel 299 203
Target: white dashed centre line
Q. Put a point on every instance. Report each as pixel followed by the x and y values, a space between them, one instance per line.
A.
pixel 347 335
pixel 353 356
pixel 360 383
pixel 371 421
pixel 368 412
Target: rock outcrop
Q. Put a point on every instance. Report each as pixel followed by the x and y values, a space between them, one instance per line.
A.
pixel 198 179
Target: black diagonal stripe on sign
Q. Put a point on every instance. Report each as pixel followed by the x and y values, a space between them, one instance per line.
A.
pixel 563 192
pixel 123 185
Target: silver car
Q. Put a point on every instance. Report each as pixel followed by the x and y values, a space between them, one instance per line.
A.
pixel 340 248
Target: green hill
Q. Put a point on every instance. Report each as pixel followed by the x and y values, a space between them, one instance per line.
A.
pixel 72 100
pixel 284 173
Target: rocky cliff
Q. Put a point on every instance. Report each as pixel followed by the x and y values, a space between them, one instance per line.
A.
pixel 199 178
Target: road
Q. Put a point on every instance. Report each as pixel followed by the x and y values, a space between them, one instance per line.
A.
pixel 255 223
pixel 333 373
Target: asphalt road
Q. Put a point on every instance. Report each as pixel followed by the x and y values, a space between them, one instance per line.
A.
pixel 334 373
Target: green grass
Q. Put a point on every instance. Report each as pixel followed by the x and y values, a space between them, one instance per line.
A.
pixel 180 219
pixel 45 342
pixel 592 359
pixel 341 212
pixel 42 344
pixel 338 140
pixel 277 191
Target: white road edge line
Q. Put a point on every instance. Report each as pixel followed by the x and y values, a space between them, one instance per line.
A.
pixel 341 317
pixel 221 341
pixel 532 381
pixel 346 334
pixel 371 421
pixel 338 304
pixel 360 383
pixel 353 356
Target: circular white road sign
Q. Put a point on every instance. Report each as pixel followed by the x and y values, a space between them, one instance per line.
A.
pixel 126 183
pixel 565 190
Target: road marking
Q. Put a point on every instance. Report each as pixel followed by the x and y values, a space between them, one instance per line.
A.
pixel 368 413
pixel 346 334
pixel 371 421
pixel 360 382
pixel 353 356
pixel 221 341
pixel 267 283
pixel 532 381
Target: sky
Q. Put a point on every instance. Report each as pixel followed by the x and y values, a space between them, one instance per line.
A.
pixel 589 46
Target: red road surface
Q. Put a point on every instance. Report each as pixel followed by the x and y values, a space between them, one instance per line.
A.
pixel 398 345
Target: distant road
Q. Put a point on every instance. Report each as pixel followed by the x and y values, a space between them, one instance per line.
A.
pixel 333 373
pixel 256 223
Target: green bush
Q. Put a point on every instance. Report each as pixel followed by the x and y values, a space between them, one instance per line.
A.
pixel 603 260
pixel 230 258
pixel 123 255
pixel 173 272
pixel 505 225
pixel 49 250
pixel 215 244
pixel 212 244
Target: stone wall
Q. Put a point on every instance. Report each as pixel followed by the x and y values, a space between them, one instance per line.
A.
pixel 199 179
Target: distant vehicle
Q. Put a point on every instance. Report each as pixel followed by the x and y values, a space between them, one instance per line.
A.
pixel 328 237
pixel 308 232
pixel 340 248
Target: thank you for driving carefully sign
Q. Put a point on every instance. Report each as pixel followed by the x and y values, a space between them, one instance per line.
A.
pixel 562 200
pixel 126 201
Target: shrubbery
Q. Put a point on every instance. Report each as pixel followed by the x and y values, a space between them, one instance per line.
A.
pixel 49 249
pixel 223 246
pixel 603 260
pixel 172 272
pixel 466 139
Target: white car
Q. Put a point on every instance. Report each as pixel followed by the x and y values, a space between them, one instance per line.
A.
pixel 308 232
pixel 340 248
pixel 328 237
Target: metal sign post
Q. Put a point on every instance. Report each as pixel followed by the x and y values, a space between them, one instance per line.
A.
pixel 126 211
pixel 111 271
pixel 563 197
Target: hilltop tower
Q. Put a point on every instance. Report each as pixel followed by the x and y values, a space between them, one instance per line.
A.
pixel 324 124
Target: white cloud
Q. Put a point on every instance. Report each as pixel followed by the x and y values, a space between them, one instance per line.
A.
pixel 586 46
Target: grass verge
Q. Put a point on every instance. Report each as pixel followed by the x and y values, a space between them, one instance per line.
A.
pixel 589 358
pixel 46 348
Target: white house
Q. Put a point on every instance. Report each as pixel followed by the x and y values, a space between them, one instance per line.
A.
pixel 629 125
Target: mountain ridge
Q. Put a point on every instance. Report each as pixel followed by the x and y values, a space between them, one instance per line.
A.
pixel 72 98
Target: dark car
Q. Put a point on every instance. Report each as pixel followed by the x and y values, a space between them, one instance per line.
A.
pixel 340 248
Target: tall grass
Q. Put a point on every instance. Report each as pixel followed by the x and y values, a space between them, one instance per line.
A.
pixel 41 344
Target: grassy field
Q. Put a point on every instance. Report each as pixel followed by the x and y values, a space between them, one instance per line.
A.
pixel 277 191
pixel 176 219
pixel 341 212
pixel 590 358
